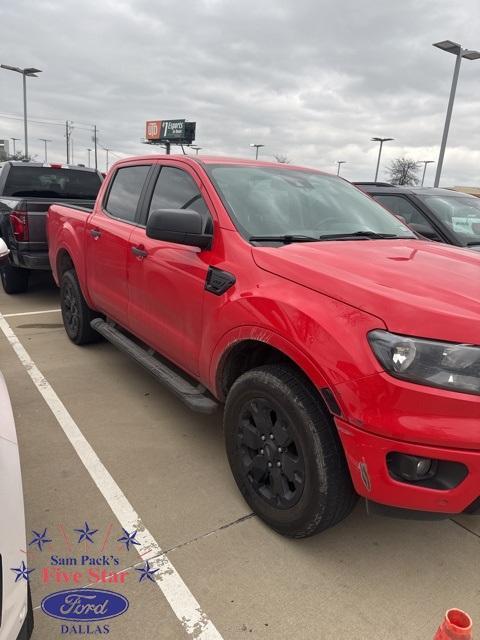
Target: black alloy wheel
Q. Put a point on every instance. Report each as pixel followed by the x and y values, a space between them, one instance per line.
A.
pixel 272 459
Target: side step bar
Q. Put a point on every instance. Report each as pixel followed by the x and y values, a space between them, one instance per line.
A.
pixel 194 396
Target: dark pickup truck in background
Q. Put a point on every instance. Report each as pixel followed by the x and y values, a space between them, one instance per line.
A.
pixel 27 189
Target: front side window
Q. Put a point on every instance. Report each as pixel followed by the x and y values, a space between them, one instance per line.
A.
pixel 266 201
pixel 127 185
pixel 416 220
pixel 175 189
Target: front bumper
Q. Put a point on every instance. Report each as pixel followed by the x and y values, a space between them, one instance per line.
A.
pixel 366 455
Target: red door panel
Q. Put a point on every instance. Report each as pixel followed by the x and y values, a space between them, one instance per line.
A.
pixel 166 297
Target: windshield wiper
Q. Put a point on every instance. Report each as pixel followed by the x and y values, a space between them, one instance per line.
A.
pixel 286 239
pixel 363 235
pixel 473 244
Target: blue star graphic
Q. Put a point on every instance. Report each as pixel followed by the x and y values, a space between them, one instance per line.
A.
pixel 22 572
pixel 39 539
pixel 128 538
pixel 86 533
pixel 147 572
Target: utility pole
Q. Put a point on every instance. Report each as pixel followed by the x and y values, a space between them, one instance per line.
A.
pixel 71 147
pixel 339 163
pixel 89 151
pixel 95 145
pixel 45 141
pixel 107 150
pixel 67 137
pixel 14 140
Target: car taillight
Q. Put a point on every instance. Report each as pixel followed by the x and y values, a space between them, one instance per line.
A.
pixel 19 224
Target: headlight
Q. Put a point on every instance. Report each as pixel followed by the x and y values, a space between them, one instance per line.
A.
pixel 437 364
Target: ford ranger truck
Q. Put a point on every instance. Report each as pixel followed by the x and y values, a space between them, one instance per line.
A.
pixel 345 350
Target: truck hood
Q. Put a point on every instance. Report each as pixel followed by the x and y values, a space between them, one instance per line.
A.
pixel 418 288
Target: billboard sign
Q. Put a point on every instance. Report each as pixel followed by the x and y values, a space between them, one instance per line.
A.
pixel 165 130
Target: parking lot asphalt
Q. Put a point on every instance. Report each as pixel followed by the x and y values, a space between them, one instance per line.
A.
pixel 368 578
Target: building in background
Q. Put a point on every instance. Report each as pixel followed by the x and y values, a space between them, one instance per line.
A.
pixel 473 191
pixel 4 152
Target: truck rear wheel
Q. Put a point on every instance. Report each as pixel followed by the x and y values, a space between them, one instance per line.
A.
pixel 14 279
pixel 284 452
pixel 76 314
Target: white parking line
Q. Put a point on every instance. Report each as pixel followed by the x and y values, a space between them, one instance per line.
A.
pixel 184 605
pixel 29 313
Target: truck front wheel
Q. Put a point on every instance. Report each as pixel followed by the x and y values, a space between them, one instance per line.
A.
pixel 284 452
pixel 76 314
pixel 14 279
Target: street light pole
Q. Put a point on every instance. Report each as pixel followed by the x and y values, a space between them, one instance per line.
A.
pixel 89 151
pixel 14 140
pixel 425 162
pixel 339 163
pixel 257 147
pixel 381 140
pixel 457 50
pixel 44 140
pixel 32 73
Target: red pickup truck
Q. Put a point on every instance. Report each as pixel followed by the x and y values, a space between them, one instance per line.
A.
pixel 346 350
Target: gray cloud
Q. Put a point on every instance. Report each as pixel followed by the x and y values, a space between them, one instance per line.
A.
pixel 310 79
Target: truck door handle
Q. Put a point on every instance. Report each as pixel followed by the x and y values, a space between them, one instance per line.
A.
pixel 95 233
pixel 139 252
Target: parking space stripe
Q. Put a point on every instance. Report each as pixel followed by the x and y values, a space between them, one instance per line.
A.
pixel 29 313
pixel 181 600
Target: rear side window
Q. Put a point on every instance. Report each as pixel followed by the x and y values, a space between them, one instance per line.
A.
pixel 48 182
pixel 122 200
pixel 175 189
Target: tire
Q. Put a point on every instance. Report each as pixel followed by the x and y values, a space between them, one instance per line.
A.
pixel 76 314
pixel 298 480
pixel 14 279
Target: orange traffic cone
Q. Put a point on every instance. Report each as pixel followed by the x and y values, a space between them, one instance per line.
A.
pixel 457 625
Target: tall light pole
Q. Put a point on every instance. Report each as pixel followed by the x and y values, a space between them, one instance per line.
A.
pixel 106 150
pixel 45 141
pixel 257 147
pixel 31 72
pixel 89 152
pixel 14 140
pixel 425 162
pixel 381 140
pixel 196 149
pixel 339 163
pixel 457 50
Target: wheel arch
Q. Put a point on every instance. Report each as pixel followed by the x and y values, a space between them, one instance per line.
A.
pixel 245 350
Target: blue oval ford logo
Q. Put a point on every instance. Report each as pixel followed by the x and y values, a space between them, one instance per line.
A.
pixel 84 605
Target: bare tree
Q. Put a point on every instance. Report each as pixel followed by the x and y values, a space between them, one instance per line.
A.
pixel 279 157
pixel 403 171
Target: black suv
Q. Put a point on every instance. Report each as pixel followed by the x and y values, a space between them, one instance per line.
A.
pixel 438 214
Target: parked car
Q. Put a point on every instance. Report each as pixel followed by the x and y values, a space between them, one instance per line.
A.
pixel 16 612
pixel 27 189
pixel 442 215
pixel 346 350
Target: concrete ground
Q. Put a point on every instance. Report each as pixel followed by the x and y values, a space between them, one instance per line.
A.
pixel 368 578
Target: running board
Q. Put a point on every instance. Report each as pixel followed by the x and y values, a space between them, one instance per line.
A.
pixel 194 396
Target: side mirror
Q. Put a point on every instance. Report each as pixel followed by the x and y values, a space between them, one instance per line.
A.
pixel 183 226
pixel 4 251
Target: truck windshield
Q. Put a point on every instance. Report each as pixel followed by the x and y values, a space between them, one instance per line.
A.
pixel 49 182
pixel 266 201
pixel 461 214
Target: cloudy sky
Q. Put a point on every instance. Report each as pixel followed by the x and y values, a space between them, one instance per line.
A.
pixel 310 79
